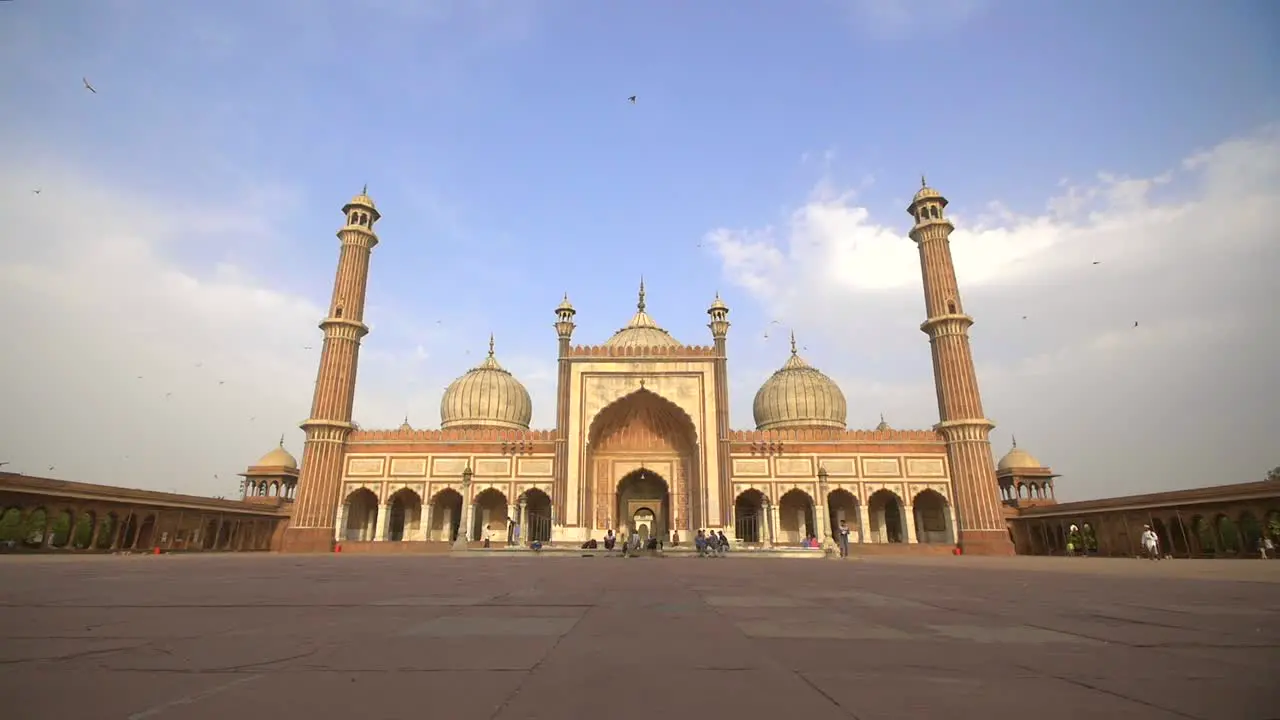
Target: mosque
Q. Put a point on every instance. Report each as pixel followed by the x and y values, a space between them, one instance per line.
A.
pixel 642 441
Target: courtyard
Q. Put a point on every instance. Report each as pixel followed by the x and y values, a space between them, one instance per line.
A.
pixel 488 636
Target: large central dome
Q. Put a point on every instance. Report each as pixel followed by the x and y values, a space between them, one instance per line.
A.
pixel 487 396
pixel 642 331
pixel 799 396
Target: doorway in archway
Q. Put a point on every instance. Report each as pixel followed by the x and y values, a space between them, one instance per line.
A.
pixel 644 504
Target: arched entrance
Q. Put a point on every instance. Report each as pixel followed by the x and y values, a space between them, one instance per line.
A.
pixel 843 506
pixel 538 512
pixel 749 518
pixel 795 517
pixel 643 431
pixel 933 518
pixel 446 512
pixel 644 505
pixel 362 515
pixel 406 514
pixel 885 512
pixel 490 516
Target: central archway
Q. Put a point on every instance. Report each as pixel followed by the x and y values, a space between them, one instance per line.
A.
pixel 642 431
pixel 644 505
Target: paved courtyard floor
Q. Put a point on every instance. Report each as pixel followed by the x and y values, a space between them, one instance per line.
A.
pixel 456 638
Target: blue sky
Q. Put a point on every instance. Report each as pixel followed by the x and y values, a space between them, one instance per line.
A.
pixel 498 142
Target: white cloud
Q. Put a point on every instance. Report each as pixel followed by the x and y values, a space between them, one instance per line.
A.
pixel 126 364
pixel 1187 398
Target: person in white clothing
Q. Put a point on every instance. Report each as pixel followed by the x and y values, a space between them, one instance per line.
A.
pixel 1150 542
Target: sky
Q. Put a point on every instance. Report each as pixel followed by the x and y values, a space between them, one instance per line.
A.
pixel 1107 164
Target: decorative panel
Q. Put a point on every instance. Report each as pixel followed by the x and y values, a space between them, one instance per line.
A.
pixel 926 467
pixel 365 466
pixel 880 467
pixel 527 467
pixel 839 467
pixel 794 467
pixel 415 467
pixel 490 467
pixel 448 467
pixel 751 466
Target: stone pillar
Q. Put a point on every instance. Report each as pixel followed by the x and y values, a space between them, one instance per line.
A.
pixel 424 525
pixel 470 527
pixel 513 517
pixel 340 528
pixel 864 523
pixel 775 519
pixel 951 518
pixel 910 511
pixel 820 520
pixel 766 519
pixel 524 522
pixel 383 522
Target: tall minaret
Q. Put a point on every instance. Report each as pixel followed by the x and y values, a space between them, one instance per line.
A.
pixel 564 330
pixel 982 528
pixel 719 326
pixel 311 529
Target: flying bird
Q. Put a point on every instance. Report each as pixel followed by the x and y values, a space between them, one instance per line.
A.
pixel 36 191
pixel 632 99
pixel 1135 323
pixel 1097 262
pixel 221 382
pixel 166 395
pixel 88 87
pixel 50 468
pixel 306 347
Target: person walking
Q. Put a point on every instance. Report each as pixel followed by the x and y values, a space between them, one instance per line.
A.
pixel 844 539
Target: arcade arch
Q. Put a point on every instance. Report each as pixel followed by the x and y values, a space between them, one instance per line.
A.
pixel 405 514
pixel 537 512
pixel 887 520
pixel 932 518
pixel 490 517
pixel 362 515
pixel 795 517
pixel 843 505
pixel 751 516
pixel 446 514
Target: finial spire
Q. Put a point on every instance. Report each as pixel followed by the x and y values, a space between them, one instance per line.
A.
pixel 881 418
pixel 640 305
pixel 923 184
pixel 365 190
pixel 490 344
pixel 282 440
pixel 793 342
pixel 406 418
pixel 1015 441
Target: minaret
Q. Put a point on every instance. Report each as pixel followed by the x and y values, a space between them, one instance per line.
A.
pixel 311 529
pixel 982 528
pixel 719 326
pixel 564 330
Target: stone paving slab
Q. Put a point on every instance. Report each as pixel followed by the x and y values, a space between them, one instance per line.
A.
pixel 560 638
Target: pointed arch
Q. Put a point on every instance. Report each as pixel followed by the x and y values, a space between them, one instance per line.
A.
pixel 667 420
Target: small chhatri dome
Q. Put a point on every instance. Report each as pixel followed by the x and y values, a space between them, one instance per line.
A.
pixel 1018 459
pixel 925 192
pixel 883 425
pixel 718 304
pixel 565 304
pixel 642 331
pixel 797 396
pixel 363 198
pixel 278 458
pixel 405 426
pixel 487 396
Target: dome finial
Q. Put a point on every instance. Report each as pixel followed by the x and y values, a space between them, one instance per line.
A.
pixel 1015 440
pixel 881 418
pixel 490 344
pixel 793 342
pixel 282 440
pixel 365 190
pixel 923 184
pixel 640 305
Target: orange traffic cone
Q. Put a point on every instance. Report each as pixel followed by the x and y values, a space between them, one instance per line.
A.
pixel 155 550
pixel 337 548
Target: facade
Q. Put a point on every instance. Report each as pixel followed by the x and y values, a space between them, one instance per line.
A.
pixel 642 441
